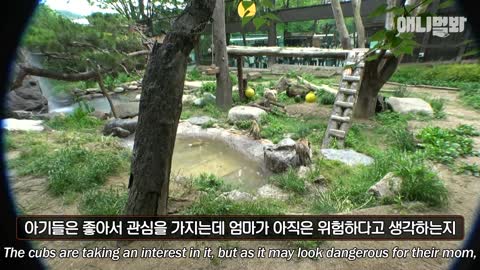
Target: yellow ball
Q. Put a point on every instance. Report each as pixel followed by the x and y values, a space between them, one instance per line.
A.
pixel 249 92
pixel 310 97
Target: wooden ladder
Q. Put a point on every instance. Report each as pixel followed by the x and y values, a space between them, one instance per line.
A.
pixel 342 113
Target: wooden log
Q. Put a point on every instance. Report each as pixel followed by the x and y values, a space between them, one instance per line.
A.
pixel 286 52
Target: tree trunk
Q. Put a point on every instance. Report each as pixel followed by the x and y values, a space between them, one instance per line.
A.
pixel 224 84
pixel 160 109
pixel 356 5
pixel 272 39
pixel 341 27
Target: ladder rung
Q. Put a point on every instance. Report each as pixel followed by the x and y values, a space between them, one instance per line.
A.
pixel 350 78
pixel 340 118
pixel 359 64
pixel 344 104
pixel 348 91
pixel 337 133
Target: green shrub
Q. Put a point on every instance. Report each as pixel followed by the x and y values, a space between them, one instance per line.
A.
pixel 325 98
pixel 208 87
pixel 244 124
pixel 289 181
pixel 438 106
pixel 78 120
pixel 419 183
pixel 210 183
pixel 445 145
pixel 104 202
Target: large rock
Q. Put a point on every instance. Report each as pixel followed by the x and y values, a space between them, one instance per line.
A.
pixel 349 157
pixel 240 113
pixel 127 109
pixel 279 157
pixel 200 120
pixel 409 105
pixel 126 124
pixel 388 186
pixel 20 114
pixel 271 192
pixel 27 97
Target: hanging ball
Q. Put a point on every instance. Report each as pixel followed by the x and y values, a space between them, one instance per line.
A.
pixel 310 97
pixel 249 92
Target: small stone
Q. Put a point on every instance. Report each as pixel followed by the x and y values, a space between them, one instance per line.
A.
pixel 388 186
pixel 209 97
pixel 270 94
pixel 271 192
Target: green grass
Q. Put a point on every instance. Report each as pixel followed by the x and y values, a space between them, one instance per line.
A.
pixel 208 87
pixel 210 183
pixel 446 145
pixel 103 202
pixel 210 204
pixel 419 183
pixel 78 120
pixel 208 110
pixel 196 75
pixel 348 191
pixel 276 127
pixel 463 76
pixel 290 181
pixel 71 161
pixel 325 98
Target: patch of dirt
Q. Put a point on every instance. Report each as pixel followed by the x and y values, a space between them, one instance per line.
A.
pixel 463 200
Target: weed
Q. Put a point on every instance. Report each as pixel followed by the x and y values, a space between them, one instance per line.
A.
pixel 78 120
pixel 465 168
pixel 208 87
pixel 445 145
pixel 104 202
pixel 289 181
pixel 244 124
pixel 210 183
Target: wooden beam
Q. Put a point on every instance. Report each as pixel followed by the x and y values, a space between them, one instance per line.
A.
pixel 285 52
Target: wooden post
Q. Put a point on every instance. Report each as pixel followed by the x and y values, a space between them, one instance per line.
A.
pixel 241 89
pixel 224 85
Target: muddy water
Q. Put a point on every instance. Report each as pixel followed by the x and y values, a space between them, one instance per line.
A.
pixel 192 157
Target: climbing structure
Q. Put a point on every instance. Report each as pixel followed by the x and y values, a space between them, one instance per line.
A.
pixel 342 113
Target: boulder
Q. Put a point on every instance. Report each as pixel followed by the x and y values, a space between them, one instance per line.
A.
pixel 388 186
pixel 49 116
pixel 240 113
pixel 236 195
pixel 100 115
pixel 127 124
pixel 279 157
pixel 271 192
pixel 120 132
pixel 409 105
pixel 254 75
pixel 303 171
pixel 137 97
pixel 200 120
pixel 93 91
pixel 27 97
pixel 119 90
pixel 127 109
pixel 349 157
pixel 209 97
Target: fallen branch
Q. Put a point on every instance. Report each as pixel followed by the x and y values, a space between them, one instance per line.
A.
pixel 142 52
pixel 315 87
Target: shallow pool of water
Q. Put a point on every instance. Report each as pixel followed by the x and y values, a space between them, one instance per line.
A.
pixel 191 157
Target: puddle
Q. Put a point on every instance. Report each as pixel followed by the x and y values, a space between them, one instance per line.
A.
pixel 192 157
